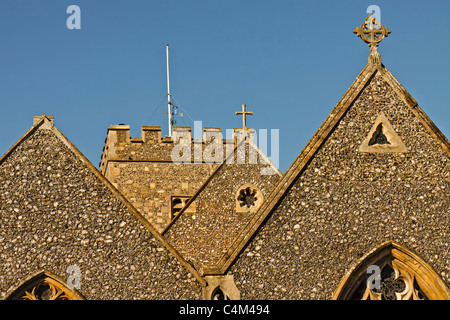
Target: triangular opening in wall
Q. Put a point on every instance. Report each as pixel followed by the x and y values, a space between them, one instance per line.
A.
pixel 378 137
pixel 382 138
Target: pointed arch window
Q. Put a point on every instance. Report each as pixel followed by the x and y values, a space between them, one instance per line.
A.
pixel 219 295
pixel 44 286
pixel 392 272
pixel 394 283
pixel 220 288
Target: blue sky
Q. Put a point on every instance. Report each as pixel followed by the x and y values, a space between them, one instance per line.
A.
pixel 289 61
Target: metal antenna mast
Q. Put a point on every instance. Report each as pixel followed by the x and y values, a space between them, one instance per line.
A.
pixel 169 103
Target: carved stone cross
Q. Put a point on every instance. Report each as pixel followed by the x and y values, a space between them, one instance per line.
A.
pixel 244 114
pixel 371 31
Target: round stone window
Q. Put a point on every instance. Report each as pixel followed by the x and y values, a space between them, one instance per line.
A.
pixel 248 198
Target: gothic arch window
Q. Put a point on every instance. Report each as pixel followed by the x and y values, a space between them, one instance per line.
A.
pixel 44 286
pixel 248 198
pixel 392 272
pixel 220 288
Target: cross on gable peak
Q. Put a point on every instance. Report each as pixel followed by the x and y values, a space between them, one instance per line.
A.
pixel 244 113
pixel 372 32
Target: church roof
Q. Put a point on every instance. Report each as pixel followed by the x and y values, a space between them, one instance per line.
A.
pixel 373 67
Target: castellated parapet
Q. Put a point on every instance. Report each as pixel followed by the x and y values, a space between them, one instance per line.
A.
pixel 159 175
pixel 151 147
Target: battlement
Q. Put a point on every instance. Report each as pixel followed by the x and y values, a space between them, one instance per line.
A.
pixel 150 146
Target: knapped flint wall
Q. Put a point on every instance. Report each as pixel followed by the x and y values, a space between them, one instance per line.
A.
pixel 54 212
pixel 346 203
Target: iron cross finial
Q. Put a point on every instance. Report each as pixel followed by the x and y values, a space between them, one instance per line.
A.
pixel 244 114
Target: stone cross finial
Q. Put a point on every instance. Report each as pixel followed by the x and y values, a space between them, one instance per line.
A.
pixel 244 114
pixel 372 32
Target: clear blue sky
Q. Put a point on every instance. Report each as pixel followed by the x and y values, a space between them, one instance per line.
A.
pixel 289 61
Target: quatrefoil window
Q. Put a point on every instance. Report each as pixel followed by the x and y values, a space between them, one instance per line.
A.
pixel 390 286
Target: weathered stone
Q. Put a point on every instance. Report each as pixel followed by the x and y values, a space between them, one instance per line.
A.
pixel 73 218
pixel 345 203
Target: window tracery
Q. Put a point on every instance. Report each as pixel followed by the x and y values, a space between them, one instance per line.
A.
pixel 392 272
pixel 248 198
pixel 44 286
pixel 395 283
pixel 48 289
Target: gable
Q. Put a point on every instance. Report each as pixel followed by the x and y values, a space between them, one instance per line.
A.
pixel 335 202
pixel 58 211
pixel 217 213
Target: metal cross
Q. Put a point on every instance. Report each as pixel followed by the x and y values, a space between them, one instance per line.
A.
pixel 244 113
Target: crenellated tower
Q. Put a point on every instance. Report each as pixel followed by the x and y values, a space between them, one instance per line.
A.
pixel 159 175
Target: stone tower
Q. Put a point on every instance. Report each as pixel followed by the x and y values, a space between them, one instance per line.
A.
pixel 159 175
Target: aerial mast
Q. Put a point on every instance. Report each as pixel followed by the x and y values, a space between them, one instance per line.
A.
pixel 169 103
